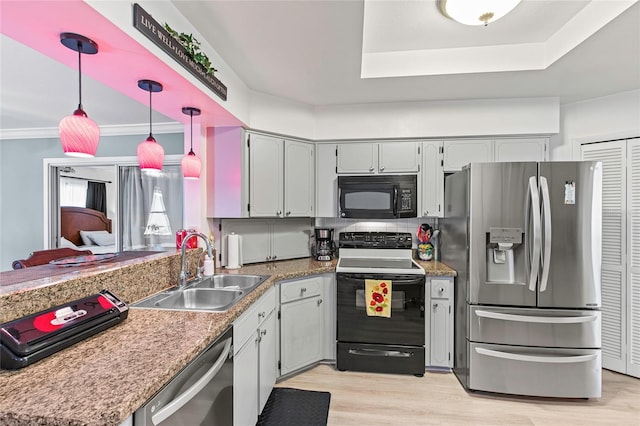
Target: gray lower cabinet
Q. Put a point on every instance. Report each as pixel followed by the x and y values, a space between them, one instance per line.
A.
pixel 439 326
pixel 254 366
pixel 301 323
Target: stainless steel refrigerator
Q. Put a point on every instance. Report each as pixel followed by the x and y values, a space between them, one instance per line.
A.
pixel 525 240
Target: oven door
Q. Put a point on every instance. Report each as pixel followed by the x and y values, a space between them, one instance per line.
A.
pixel 404 327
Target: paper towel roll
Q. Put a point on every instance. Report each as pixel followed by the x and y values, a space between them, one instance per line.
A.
pixel 233 251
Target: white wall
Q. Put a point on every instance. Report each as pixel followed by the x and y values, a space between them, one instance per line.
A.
pixel 610 117
pixel 439 119
pixel 277 115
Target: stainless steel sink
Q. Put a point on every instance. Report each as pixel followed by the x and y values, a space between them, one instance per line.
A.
pixel 217 293
pixel 239 282
pixel 197 299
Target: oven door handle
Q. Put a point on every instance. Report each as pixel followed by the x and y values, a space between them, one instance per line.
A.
pixel 378 352
pixel 360 279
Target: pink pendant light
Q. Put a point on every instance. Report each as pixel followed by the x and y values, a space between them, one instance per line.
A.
pixel 150 152
pixel 78 133
pixel 191 164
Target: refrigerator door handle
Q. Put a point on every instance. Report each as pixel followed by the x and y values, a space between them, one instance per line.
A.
pixel 546 253
pixel 536 319
pixel 537 358
pixel 537 231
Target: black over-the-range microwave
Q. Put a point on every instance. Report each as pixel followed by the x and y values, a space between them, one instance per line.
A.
pixel 378 197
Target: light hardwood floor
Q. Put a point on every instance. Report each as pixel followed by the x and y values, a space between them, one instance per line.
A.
pixel 439 399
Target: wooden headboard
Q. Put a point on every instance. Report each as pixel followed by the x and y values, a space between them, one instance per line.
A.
pixel 76 219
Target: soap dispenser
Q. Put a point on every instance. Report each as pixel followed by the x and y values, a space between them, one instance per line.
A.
pixel 209 267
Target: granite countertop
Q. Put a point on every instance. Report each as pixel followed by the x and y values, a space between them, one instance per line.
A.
pixel 436 269
pixel 105 378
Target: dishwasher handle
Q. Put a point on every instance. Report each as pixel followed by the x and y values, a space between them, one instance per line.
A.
pixel 180 400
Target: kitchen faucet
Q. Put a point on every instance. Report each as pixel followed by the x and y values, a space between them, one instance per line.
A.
pixel 183 273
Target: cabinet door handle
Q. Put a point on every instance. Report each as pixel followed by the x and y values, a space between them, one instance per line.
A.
pixel 288 213
pixel 261 315
pixel 382 169
pixel 426 213
pixel 279 213
pixel 371 169
pixel 263 333
pixel 319 302
pixel 303 289
pixel 273 257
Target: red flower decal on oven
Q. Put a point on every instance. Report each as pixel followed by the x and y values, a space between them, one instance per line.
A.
pixel 377 297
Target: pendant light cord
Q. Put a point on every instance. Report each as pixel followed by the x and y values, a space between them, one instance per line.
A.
pixel 191 120
pixel 79 74
pixel 150 123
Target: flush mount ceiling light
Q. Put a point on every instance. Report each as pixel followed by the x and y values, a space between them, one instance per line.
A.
pixel 476 12
pixel 150 152
pixel 191 164
pixel 78 133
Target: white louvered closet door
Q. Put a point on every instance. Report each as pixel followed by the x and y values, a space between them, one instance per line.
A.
pixel 614 223
pixel 633 256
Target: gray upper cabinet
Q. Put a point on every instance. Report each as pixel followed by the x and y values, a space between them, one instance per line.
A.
pixel 299 182
pixel 378 158
pixel 459 153
pixel 326 181
pixel 281 177
pixel 399 157
pixel 432 179
pixel 266 189
pixel 357 158
pixel 227 173
pixel 267 239
pixel 532 149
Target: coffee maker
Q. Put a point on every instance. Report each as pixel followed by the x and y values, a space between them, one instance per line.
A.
pixel 324 247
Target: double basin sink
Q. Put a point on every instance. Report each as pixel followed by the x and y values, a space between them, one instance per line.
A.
pixel 217 293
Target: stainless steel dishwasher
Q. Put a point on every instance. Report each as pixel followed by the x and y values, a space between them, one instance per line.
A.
pixel 202 393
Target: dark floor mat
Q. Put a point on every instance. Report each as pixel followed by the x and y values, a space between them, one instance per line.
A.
pixel 295 407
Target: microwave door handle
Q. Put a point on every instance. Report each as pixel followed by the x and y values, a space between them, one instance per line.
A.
pixel 395 201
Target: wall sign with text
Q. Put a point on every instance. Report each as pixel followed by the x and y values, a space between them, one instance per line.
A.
pixel 161 37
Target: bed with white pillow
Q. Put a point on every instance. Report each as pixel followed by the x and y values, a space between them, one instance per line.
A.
pixel 86 229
